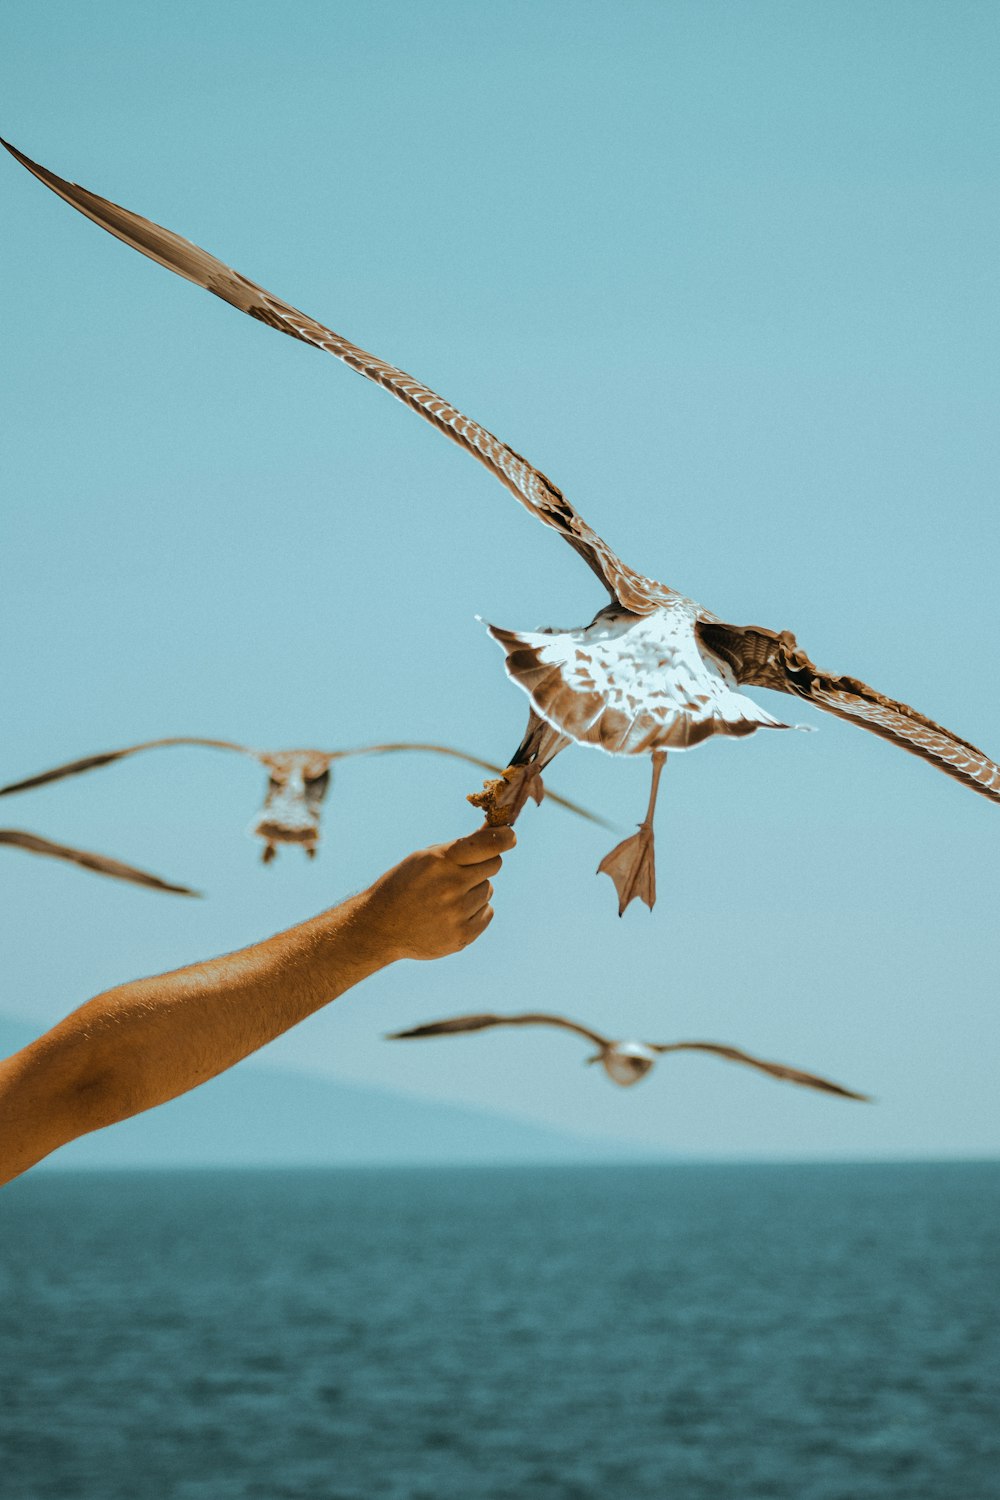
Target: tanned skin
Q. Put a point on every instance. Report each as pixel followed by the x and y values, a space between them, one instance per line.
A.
pixel 143 1043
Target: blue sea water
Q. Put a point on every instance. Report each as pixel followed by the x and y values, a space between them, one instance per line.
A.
pixel 573 1333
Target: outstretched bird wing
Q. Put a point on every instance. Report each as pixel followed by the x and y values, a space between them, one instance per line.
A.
pixel 91 762
pixel 773 1069
pixel 473 760
pixel 528 484
pixel 762 658
pixel 481 1022
pixel 100 863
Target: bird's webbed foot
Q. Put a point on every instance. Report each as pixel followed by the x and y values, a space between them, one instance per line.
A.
pixel 268 853
pixel 631 865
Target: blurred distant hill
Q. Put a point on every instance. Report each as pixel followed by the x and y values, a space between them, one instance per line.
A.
pixel 255 1115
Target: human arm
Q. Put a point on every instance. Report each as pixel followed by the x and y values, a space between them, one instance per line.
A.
pixel 145 1042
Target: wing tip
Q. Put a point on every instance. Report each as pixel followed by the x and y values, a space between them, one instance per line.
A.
pixel 25 161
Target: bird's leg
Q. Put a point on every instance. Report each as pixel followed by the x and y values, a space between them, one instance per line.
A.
pixel 631 864
pixel 503 798
pixel 268 853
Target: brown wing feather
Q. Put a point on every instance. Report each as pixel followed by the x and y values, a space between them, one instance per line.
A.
pixel 105 758
pixel 908 729
pixel 773 1069
pixel 762 658
pixel 100 863
pixel 481 1022
pixel 529 485
pixel 473 760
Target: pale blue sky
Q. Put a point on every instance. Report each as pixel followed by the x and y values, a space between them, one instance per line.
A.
pixel 728 274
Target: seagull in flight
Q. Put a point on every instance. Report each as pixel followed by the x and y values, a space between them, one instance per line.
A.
pixel 624 1062
pixel 652 672
pixel 101 864
pixel 298 781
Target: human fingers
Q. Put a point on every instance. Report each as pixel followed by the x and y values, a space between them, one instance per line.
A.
pixel 477 924
pixel 468 876
pixel 478 897
pixel 481 845
pixel 465 877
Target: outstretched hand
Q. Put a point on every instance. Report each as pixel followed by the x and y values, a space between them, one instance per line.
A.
pixel 437 901
pixel 145 1042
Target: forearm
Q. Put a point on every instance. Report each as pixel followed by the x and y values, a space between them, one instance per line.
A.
pixel 145 1042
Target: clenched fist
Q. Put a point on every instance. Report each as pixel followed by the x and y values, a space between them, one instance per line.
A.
pixel 438 900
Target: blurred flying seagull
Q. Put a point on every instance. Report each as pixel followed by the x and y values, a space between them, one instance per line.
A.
pixel 625 1062
pixel 652 672
pixel 298 781
pixel 100 863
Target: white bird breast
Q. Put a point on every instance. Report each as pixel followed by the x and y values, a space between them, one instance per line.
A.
pixel 626 1062
pixel 632 683
pixel 291 811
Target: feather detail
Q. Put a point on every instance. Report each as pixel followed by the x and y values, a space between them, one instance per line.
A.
pixel 107 757
pixel 535 491
pixel 101 864
pixel 481 1022
pixel 772 1069
pixel 629 684
pixel 764 658
pixel 626 1062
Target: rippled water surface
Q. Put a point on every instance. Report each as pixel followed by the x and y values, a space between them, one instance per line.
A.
pixel 809 1332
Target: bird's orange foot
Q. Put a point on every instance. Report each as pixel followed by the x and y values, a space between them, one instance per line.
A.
pixel 632 867
pixel 502 800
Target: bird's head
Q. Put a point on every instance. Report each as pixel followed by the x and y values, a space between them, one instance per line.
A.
pixel 625 1062
pixel 297 783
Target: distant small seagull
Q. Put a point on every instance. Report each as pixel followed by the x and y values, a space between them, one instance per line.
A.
pixel 99 863
pixel 652 672
pixel 298 780
pixel 625 1062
